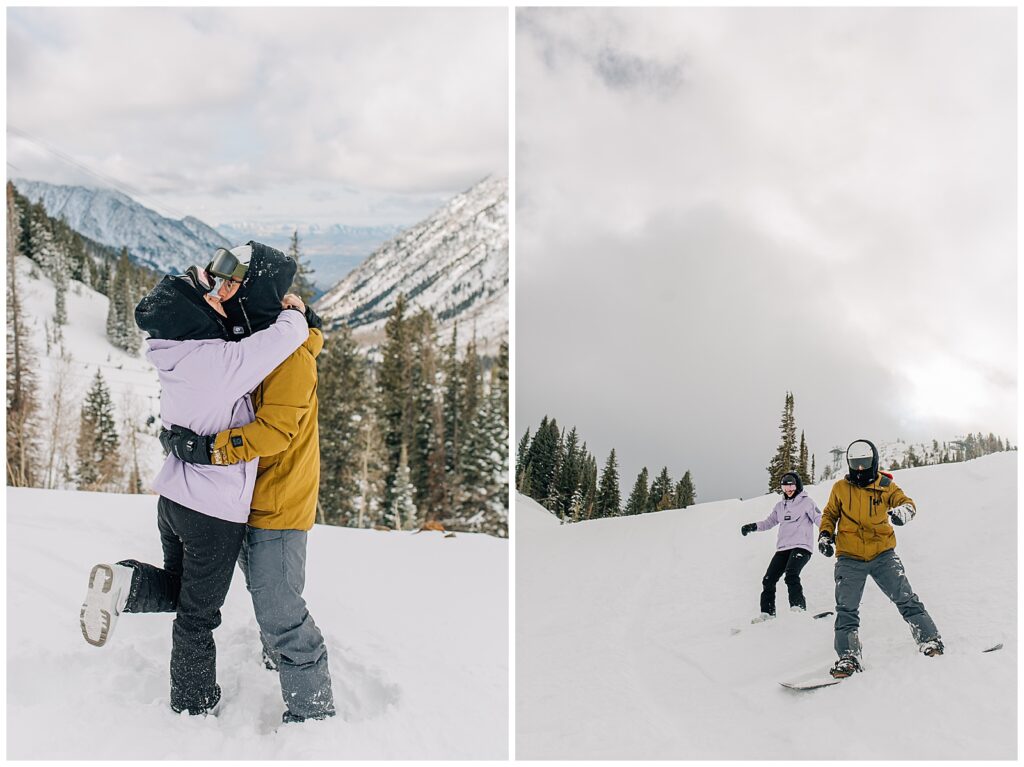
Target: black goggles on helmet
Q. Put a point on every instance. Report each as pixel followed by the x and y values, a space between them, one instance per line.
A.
pixel 226 265
pixel 860 456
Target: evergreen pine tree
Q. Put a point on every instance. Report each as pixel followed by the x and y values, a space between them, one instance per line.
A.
pixel 570 473
pixel 802 460
pixel 661 492
pixel 637 502
pixel 402 510
pixel 608 500
pixel 394 400
pixel 521 453
pixel 685 494
pixel 99 459
pixel 345 397
pixel 814 471
pixel 302 285
pixel 22 401
pixel 786 456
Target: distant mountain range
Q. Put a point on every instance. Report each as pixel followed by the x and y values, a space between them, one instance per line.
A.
pixel 333 251
pixel 455 264
pixel 114 219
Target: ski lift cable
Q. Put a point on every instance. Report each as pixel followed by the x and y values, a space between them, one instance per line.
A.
pixel 120 186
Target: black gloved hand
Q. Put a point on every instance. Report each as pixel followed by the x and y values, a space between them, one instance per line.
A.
pixel 313 319
pixel 825 541
pixel 749 528
pixel 186 445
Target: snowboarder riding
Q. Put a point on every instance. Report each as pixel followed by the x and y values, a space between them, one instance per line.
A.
pixel 796 515
pixel 865 505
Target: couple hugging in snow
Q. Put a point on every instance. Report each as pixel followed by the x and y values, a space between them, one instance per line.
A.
pixel 864 505
pixel 238 378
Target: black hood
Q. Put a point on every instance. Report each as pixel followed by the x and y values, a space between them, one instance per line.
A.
pixel 257 304
pixel 864 477
pixel 176 311
pixel 796 479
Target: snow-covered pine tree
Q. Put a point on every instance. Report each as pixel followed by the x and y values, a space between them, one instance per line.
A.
pixel 302 285
pixel 426 441
pixel 810 480
pixel 608 499
pixel 394 384
pixel 22 402
pixel 345 396
pixel 637 502
pixel 402 510
pixel 99 461
pixel 570 472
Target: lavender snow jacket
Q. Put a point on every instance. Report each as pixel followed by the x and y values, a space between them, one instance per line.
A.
pixel 205 386
pixel 798 518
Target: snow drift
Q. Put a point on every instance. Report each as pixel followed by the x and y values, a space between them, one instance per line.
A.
pixel 625 646
pixel 416 626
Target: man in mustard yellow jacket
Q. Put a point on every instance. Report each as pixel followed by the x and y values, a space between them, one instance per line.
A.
pixel 858 523
pixel 285 438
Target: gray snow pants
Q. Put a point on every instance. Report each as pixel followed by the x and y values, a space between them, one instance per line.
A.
pixel 274 565
pixel 887 571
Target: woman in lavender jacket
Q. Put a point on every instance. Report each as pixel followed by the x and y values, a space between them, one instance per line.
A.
pixel 205 381
pixel 798 518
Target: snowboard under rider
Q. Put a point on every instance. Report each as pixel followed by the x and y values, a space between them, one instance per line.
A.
pixel 205 380
pixel 796 516
pixel 858 523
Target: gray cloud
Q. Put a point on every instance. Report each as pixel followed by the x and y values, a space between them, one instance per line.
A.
pixel 826 205
pixel 193 105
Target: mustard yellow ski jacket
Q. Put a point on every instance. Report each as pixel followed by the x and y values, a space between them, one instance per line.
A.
pixel 286 439
pixel 864 530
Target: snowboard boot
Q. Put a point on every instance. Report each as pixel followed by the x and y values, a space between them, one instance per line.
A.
pixel 763 617
pixel 207 706
pixel 846 666
pixel 105 600
pixel 289 718
pixel 932 647
pixel 797 609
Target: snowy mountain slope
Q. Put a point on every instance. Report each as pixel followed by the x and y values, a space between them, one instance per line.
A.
pixel 624 646
pixel 455 264
pixel 114 219
pixel 133 382
pixel 333 251
pixel 530 515
pixel 416 627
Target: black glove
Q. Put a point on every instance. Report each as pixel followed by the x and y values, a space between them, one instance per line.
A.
pixel 825 541
pixel 749 528
pixel 313 319
pixel 186 445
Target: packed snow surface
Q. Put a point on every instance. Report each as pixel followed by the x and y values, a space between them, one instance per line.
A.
pixel 416 627
pixel 625 643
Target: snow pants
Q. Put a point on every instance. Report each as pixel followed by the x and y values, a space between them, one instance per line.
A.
pixel 199 559
pixel 887 571
pixel 274 564
pixel 790 562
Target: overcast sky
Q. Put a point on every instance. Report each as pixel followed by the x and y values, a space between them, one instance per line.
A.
pixel 715 206
pixel 323 115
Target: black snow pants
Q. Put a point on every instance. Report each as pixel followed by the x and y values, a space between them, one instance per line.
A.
pixel 790 562
pixel 199 559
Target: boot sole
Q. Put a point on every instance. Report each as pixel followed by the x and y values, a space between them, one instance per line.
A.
pixel 95 590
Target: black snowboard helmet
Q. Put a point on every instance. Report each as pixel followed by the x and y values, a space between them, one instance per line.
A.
pixel 792 476
pixel 176 310
pixel 862 458
pixel 257 302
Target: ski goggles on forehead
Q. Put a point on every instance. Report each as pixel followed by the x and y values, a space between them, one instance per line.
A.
pixel 226 265
pixel 788 483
